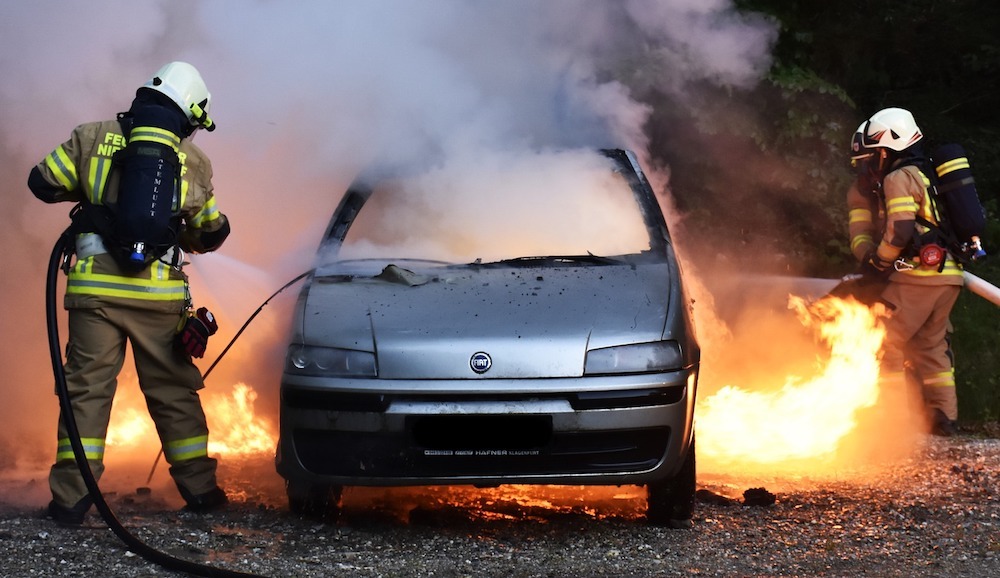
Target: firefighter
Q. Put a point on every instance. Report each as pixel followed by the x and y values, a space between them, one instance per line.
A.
pixel 889 207
pixel 111 303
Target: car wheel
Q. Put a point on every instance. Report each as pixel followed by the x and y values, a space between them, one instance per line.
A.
pixel 315 501
pixel 670 502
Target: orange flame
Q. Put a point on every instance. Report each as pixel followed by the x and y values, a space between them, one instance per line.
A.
pixel 235 428
pixel 755 427
pixel 129 428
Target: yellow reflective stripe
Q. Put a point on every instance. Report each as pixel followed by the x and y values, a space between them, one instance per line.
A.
pixel 160 271
pixel 927 212
pixel 859 239
pixel 186 449
pixel 100 168
pixel 860 216
pixel 901 205
pixel 950 268
pixel 208 213
pixel 81 282
pixel 93 448
pixel 943 379
pixel 63 168
pixel 952 165
pixel 82 266
pixel 154 134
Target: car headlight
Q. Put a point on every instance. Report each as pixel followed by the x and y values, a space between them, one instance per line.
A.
pixel 652 357
pixel 329 362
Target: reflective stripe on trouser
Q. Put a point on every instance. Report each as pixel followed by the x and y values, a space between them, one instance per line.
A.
pixel 939 391
pixel 916 333
pixel 169 381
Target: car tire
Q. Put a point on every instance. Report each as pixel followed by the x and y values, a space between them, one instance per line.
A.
pixel 314 501
pixel 670 502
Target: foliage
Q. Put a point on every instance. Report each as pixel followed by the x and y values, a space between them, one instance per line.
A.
pixel 765 169
pixel 977 358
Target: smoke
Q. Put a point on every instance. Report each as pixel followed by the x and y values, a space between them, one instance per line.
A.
pixel 305 95
pixel 497 226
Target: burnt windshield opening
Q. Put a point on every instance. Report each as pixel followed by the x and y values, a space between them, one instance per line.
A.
pixel 586 207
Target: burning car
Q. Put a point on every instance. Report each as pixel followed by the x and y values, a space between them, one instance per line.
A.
pixel 527 324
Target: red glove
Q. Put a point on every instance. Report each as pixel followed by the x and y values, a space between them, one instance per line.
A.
pixel 193 336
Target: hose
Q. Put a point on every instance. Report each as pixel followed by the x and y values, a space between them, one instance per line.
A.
pixel 69 420
pixel 249 319
pixel 152 470
pixel 982 287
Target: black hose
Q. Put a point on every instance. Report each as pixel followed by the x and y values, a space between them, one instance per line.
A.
pixel 249 319
pixel 133 543
pixel 226 350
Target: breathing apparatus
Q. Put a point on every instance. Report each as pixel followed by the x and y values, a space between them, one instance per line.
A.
pixel 955 192
pixel 168 108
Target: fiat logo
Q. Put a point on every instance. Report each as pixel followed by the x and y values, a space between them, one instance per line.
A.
pixel 481 362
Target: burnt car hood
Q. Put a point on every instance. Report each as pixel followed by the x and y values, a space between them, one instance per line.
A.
pixel 532 322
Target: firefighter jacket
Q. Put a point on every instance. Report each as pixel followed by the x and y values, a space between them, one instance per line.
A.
pixel 888 226
pixel 80 170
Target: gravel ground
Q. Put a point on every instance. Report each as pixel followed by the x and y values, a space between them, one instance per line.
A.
pixel 935 514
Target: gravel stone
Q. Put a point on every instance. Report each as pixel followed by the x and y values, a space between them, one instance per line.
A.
pixel 934 514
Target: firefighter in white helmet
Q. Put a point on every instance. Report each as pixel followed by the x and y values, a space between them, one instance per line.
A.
pixel 888 202
pixel 136 291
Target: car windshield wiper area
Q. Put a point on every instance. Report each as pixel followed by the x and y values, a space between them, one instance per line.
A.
pixel 406 271
pixel 549 260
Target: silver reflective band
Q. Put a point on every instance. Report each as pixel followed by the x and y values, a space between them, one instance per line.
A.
pixel 88 245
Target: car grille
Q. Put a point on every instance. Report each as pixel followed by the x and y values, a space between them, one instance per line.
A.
pixel 300 398
pixel 492 445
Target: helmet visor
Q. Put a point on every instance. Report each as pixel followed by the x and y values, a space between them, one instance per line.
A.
pixel 863 161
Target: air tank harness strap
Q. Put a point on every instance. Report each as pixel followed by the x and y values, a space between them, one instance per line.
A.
pixel 935 235
pixel 89 242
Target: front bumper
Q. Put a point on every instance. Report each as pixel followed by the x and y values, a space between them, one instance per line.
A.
pixel 595 430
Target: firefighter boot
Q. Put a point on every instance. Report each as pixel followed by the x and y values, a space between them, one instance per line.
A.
pixel 210 500
pixel 942 426
pixel 72 517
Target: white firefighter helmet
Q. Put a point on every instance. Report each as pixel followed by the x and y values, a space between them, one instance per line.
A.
pixel 182 83
pixel 891 128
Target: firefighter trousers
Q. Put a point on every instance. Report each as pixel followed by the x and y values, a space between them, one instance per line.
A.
pixel 168 379
pixel 917 336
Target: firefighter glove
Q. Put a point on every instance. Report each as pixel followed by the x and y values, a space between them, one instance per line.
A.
pixel 193 335
pixel 874 268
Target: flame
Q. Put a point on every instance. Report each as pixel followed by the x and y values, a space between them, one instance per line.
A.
pixel 129 428
pixel 234 427
pixel 807 419
pixel 236 430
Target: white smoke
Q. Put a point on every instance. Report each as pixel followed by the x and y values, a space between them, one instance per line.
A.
pixel 306 93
